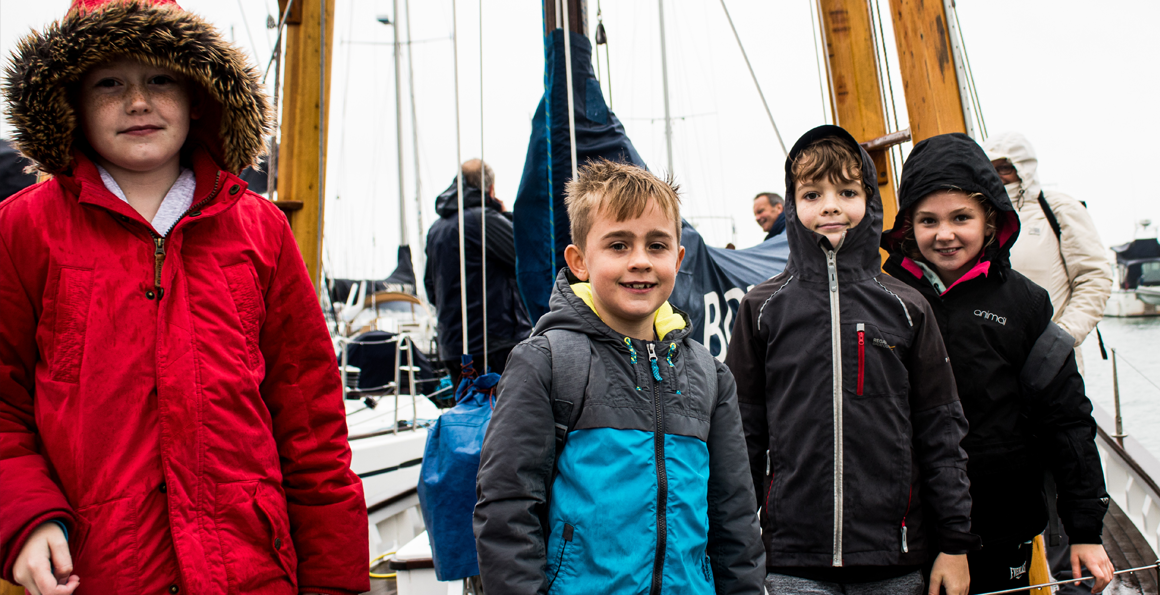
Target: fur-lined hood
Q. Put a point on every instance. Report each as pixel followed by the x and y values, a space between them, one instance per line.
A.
pixel 236 113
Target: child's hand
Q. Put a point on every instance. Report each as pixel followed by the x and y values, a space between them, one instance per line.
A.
pixel 44 566
pixel 950 572
pixel 1093 556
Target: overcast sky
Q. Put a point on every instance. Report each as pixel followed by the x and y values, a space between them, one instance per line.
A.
pixel 1079 81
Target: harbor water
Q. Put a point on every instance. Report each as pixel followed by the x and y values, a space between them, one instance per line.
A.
pixel 1137 345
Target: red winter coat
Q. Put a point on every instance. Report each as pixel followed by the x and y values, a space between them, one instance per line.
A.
pixel 179 410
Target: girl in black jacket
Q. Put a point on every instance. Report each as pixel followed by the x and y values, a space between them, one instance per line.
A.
pixel 1029 417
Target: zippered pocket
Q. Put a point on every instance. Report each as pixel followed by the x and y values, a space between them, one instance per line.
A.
pixel 567 534
pixel 861 356
pixel 872 362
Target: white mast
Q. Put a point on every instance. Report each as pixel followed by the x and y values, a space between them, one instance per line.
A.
pixel 665 82
pixel 404 240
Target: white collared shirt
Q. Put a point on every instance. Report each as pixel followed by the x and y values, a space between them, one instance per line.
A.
pixel 176 202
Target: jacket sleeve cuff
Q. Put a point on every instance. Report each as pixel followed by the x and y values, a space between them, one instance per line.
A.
pixel 17 543
pixel 958 543
pixel 1095 537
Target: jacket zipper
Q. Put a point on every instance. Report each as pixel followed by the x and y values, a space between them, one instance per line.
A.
pixel 836 348
pixel 159 240
pixel 861 356
pixel 662 477
pixel 567 534
pixel 909 495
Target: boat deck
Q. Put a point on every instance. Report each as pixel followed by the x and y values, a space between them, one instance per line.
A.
pixel 1128 549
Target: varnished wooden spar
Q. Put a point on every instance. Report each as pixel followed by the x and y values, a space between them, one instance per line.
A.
pixel 855 89
pixel 300 187
pixel 927 66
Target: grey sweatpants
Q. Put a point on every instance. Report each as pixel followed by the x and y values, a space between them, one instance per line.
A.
pixel 780 584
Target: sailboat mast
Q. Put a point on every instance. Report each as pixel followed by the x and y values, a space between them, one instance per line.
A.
pixel 415 145
pixel 302 153
pixel 665 86
pixel 404 239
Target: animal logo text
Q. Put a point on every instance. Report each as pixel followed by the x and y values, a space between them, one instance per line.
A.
pixel 991 316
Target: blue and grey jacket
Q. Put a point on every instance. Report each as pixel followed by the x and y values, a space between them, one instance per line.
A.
pixel 651 494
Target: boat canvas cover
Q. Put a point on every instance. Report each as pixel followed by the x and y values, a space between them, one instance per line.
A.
pixel 540 217
pixel 711 281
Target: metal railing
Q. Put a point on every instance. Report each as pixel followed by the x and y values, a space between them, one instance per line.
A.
pixel 1155 566
pixel 403 343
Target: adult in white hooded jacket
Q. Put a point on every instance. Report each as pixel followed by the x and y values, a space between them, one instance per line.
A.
pixel 1074 268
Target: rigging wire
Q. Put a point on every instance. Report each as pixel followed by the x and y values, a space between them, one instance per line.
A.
pixel 970 73
pixel 571 90
pixel 246 22
pixel 818 60
pixel 826 53
pixel 278 41
pixel 483 191
pixel 754 75
pixel 602 40
pixel 896 150
pixel 459 180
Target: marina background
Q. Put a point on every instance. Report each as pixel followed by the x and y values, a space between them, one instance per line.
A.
pixel 1068 74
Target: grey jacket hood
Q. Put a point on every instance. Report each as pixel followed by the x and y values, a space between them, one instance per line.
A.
pixel 1015 148
pixel 859 249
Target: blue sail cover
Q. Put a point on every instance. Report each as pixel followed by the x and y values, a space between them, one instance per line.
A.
pixel 711 281
pixel 540 219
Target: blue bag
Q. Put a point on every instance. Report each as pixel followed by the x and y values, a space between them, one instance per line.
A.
pixel 447 478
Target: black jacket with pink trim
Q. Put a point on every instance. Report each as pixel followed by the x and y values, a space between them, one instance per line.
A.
pixel 1025 401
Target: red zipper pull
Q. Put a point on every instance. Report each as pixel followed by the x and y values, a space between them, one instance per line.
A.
pixel 861 356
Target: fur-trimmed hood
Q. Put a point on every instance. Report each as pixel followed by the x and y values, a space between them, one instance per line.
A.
pixel 235 113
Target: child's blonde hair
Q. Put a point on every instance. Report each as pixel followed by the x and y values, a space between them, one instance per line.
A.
pixel 619 189
pixel 828 157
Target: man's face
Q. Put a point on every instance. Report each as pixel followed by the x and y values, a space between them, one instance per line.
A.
pixel 1006 171
pixel 632 265
pixel 765 213
pixel 134 115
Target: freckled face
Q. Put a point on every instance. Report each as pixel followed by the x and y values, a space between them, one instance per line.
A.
pixel 950 230
pixel 828 208
pixel 632 266
pixel 135 116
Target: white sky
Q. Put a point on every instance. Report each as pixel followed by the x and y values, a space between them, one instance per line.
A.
pixel 1078 81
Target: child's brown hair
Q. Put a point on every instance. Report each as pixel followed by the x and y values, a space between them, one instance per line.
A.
pixel 619 189
pixel 828 157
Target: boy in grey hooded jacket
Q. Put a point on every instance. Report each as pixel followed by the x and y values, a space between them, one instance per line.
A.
pixel 849 406
pixel 649 493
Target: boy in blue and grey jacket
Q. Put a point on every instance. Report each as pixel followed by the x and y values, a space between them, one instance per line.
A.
pixel 647 489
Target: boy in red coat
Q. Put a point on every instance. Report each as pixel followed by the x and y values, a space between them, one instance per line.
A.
pixel 171 418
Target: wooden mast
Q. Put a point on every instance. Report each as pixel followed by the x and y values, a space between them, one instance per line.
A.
pixel 926 59
pixel 855 90
pixel 302 153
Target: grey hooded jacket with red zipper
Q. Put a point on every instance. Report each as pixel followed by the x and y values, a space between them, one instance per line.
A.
pixel 842 377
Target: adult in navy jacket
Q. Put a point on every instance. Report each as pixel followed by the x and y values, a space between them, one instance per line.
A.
pixel 507 319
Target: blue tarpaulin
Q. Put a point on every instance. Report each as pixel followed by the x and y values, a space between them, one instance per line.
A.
pixel 447 478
